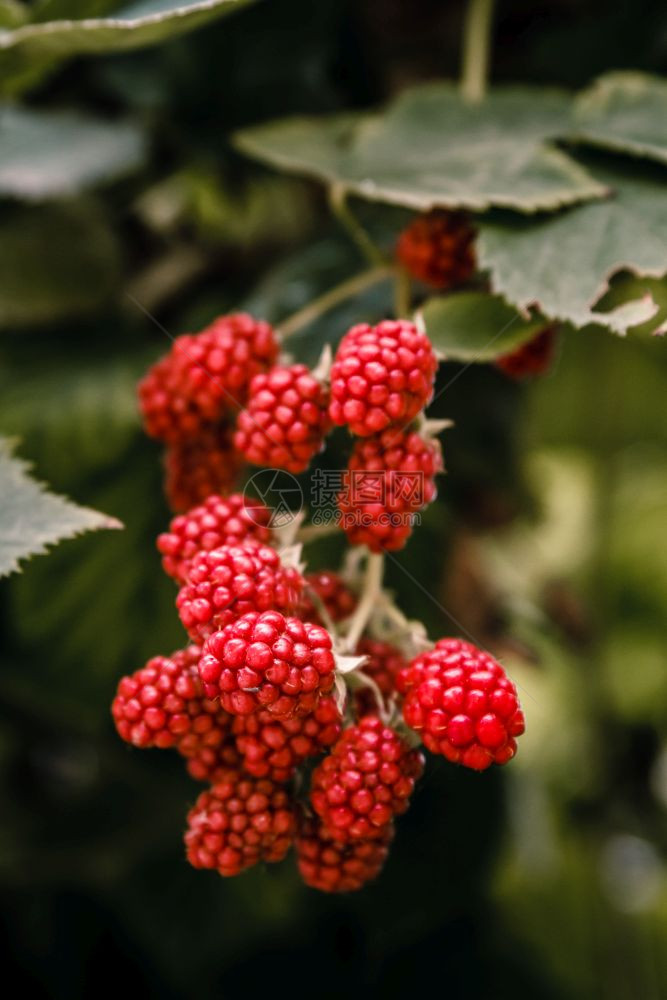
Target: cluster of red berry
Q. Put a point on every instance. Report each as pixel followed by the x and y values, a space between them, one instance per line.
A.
pixel 251 700
pixel 261 689
pixel 380 381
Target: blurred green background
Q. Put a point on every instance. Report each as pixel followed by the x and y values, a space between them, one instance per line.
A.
pixel 547 543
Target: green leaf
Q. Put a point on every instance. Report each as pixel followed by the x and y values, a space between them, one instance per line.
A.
pixel 56 261
pixel 627 288
pixel 31 518
pixel 47 153
pixel 86 397
pixel 625 112
pixel 430 148
pixel 34 48
pixel 265 210
pixel 475 326
pixel 562 263
pixel 12 13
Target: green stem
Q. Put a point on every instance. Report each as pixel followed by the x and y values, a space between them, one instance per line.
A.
pixel 476 48
pixel 349 221
pixel 402 294
pixel 346 290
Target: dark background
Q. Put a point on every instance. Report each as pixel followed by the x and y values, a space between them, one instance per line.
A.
pixel 547 543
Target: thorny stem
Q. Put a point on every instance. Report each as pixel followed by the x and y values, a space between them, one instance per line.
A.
pixel 476 46
pixel 347 219
pixel 346 290
pixel 370 594
pixel 402 294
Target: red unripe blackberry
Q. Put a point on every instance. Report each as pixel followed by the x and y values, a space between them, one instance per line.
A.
pixel 383 665
pixel 338 600
pixel 438 248
pixel 268 661
pixel 331 866
pixel 273 748
pixel 531 359
pixel 217 521
pixel 381 376
pixel 205 376
pixel 413 672
pixel 196 469
pixel 365 781
pixel 238 822
pixel 231 581
pixel 212 758
pixel 390 478
pixel 285 420
pixel 163 705
pixel 462 703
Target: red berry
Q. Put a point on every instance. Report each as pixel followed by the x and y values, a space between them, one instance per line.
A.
pixel 438 248
pixel 273 748
pixel 285 421
pixel 365 781
pixel 238 822
pixel 381 376
pixel 231 581
pixel 212 758
pixel 463 704
pixel 331 866
pixel 163 705
pixel 268 661
pixel 333 592
pixel 389 479
pixel 218 521
pixel 383 664
pixel 205 376
pixel 196 469
pixel 531 359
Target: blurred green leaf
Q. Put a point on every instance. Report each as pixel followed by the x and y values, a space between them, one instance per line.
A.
pixel 56 261
pixel 87 414
pixel 60 10
pixel 32 49
pixel 48 153
pixel 264 210
pixel 31 518
pixel 301 277
pixel 474 326
pixel 12 13
pixel 430 148
pixel 561 264
pixel 628 288
pixel 625 112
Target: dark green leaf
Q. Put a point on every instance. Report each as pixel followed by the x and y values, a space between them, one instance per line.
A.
pixel 474 326
pixel 430 148
pixel 48 153
pixel 625 112
pixel 562 263
pixel 56 261
pixel 34 48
